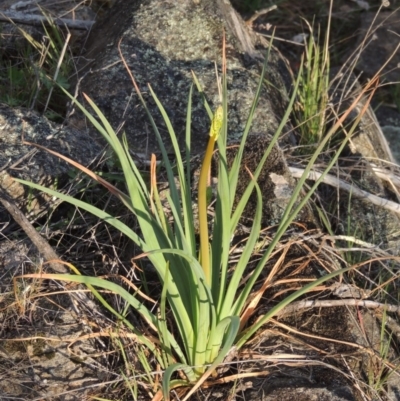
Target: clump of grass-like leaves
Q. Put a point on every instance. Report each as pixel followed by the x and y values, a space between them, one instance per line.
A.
pixel 313 96
pixel 205 307
pixel 32 74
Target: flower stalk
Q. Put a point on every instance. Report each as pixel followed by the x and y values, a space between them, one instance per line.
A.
pixel 204 256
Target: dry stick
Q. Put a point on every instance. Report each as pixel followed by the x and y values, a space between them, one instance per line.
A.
pixel 38 20
pixel 359 193
pixel 294 307
pixel 43 247
pixel 41 244
pixel 259 13
pixel 386 175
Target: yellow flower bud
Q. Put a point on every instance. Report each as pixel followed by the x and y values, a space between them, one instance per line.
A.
pixel 217 122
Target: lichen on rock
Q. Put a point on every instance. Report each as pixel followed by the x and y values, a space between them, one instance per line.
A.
pixel 163 42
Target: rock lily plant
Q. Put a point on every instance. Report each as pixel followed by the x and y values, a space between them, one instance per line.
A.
pixel 203 311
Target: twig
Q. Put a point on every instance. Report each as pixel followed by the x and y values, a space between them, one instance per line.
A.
pixel 17 162
pixel 359 193
pixel 386 175
pixel 38 20
pixel 351 239
pixel 295 306
pixel 41 244
pixel 292 42
pixel 44 248
pixel 259 13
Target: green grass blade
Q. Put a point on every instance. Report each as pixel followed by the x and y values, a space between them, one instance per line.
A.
pixel 201 92
pixel 156 258
pixel 248 251
pixel 166 382
pixel 121 227
pixel 187 195
pixel 289 215
pixel 170 173
pixel 233 324
pixel 133 167
pixel 202 329
pixel 236 165
pixel 162 323
pixel 246 195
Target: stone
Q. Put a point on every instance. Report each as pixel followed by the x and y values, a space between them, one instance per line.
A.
pixel 382 41
pixel 157 41
pixel 299 390
pixel 389 120
pixel 21 160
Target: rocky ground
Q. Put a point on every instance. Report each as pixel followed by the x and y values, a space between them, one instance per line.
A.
pixel 342 346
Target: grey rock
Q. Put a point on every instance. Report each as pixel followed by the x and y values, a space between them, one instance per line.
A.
pixel 389 119
pixel 294 389
pixel 163 42
pixel 21 160
pixel 392 134
pixel 383 33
